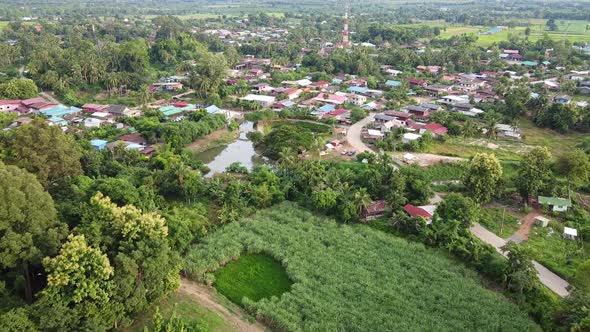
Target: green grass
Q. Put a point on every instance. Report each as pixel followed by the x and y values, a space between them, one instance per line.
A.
pixel 572 30
pixel 3 25
pixel 559 255
pixel 500 222
pixel 189 310
pixel 355 278
pixel 252 276
pixel 311 126
pixel 556 143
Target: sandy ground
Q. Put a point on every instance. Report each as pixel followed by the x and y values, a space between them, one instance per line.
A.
pixel 427 159
pixel 207 298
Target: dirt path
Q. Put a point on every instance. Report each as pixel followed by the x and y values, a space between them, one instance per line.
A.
pixel 522 234
pixel 208 299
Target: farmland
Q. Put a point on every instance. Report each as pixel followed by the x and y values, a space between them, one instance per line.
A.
pixel 252 276
pixel 354 277
pixel 572 30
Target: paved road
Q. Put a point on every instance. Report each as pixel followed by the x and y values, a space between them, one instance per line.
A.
pixel 353 135
pixel 548 278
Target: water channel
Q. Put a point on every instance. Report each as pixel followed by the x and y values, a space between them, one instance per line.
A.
pixel 241 150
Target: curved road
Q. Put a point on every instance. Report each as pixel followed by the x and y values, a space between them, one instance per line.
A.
pixel 354 133
pixel 547 278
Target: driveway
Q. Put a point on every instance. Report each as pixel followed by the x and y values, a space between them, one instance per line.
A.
pixel 354 133
pixel 547 278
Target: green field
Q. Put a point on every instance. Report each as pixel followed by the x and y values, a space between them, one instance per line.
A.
pixel 355 278
pixel 190 311
pixel 501 222
pixel 3 24
pixel 572 30
pixel 252 276
pixel 550 249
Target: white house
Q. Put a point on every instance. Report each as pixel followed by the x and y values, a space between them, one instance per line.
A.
pixel 265 101
pixel 408 137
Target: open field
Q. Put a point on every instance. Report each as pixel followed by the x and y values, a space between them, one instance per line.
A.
pixel 572 30
pixel 501 222
pixel 355 278
pixel 252 276
pixel 3 24
pixel 550 249
pixel 186 308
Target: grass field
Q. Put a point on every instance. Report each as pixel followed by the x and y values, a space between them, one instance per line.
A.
pixel 550 249
pixel 572 30
pixel 355 278
pixel 187 309
pixel 499 221
pixel 252 276
pixel 3 24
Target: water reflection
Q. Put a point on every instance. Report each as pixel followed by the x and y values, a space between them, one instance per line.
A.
pixel 241 150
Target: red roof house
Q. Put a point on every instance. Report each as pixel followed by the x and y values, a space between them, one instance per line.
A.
pixel 417 82
pixel 416 211
pixel 436 129
pixel 374 210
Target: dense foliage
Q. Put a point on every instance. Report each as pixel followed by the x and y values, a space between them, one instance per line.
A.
pixel 404 286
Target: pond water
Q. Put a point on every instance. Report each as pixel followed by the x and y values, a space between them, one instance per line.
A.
pixel 241 150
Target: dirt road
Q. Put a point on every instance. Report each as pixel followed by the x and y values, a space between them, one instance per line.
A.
pixel 353 135
pixel 208 299
pixel 547 278
pixel 522 234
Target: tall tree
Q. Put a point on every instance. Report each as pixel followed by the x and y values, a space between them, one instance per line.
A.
pixel 574 165
pixel 483 177
pixel 533 172
pixel 29 229
pixel 78 283
pixel 46 151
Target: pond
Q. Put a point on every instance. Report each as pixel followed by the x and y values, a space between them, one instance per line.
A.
pixel 241 150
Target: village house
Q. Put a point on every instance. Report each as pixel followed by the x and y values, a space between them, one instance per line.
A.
pixel 357 99
pixel 9 105
pixel 262 87
pixel 329 98
pixel 341 115
pixel 421 113
pixel 264 101
pixel 409 137
pixel 375 210
pixel 438 89
pixel 435 129
pixel 93 108
pixel 415 82
pixel 121 110
pixel 418 212
pixel 557 204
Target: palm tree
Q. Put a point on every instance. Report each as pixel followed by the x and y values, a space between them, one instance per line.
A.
pixel 144 95
pixel 362 199
pixel 286 157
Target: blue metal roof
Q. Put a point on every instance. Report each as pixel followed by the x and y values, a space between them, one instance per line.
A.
pixel 357 89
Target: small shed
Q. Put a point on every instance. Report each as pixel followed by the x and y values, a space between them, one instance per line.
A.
pixel 541 221
pixel 570 233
